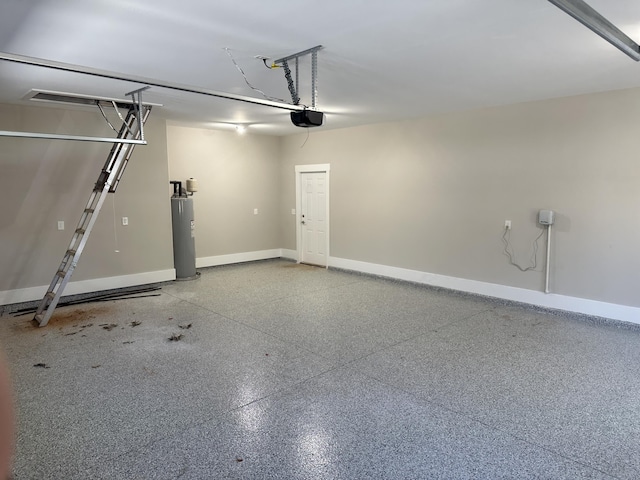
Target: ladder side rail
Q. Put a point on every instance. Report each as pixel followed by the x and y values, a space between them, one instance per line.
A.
pixel 131 124
pixel 120 156
pixel 86 229
pixel 69 262
pixel 78 250
pixel 71 257
pixel 116 156
pixel 67 258
pixel 116 181
pixel 112 168
pixel 109 164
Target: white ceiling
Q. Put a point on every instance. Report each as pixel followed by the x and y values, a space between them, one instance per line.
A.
pixel 381 60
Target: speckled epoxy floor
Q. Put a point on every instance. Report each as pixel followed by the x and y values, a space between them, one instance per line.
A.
pixel 294 372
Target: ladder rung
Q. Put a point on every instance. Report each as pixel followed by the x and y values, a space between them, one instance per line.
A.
pixel 71 252
pixel 38 317
pixel 80 231
pixel 50 295
pixel 61 273
pixel 89 210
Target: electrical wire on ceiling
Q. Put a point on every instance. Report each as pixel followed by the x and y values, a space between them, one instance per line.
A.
pixel 270 67
pixel 275 99
pixel 305 140
pixel 508 251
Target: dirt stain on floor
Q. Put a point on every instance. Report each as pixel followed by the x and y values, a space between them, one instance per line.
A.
pixel 65 317
pixel 303 266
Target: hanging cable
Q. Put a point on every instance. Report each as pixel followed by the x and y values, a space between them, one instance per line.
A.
pixel 115 107
pixel 275 99
pixel 115 225
pixel 105 117
pixel 305 140
pixel 509 254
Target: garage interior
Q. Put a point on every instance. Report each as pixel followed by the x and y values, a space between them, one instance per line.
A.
pixel 438 282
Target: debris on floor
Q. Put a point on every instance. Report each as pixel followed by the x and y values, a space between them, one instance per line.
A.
pixel 104 297
pixel 82 327
pixel 185 327
pixel 130 341
pixel 109 326
pixel 42 365
pixel 135 323
pixel 96 366
pixel 175 337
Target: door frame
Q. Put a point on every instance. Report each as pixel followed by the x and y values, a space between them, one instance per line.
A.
pixel 316 168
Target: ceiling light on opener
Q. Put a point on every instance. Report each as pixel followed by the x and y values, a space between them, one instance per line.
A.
pixel 591 19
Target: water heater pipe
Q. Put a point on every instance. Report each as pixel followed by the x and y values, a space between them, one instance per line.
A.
pixel 546 283
pixel 177 188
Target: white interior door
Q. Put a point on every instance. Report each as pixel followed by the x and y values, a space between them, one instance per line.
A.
pixel 313 218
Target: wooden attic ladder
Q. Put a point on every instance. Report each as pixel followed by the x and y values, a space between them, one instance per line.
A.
pixel 131 130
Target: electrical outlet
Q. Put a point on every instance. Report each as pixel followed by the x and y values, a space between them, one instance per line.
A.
pixel 255 211
pixel 293 211
pixel 125 220
pixel 507 224
pixel 60 225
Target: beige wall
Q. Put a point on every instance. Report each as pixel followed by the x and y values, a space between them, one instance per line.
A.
pixel 44 181
pixel 235 173
pixel 429 195
pixel 433 194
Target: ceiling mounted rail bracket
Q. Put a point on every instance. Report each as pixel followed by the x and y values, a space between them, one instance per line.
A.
pixel 294 88
pixel 136 99
pixel 590 18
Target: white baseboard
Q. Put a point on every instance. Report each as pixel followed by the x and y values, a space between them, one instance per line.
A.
pixel 237 258
pixel 531 297
pixel 95 285
pixel 290 254
pixel 8 297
